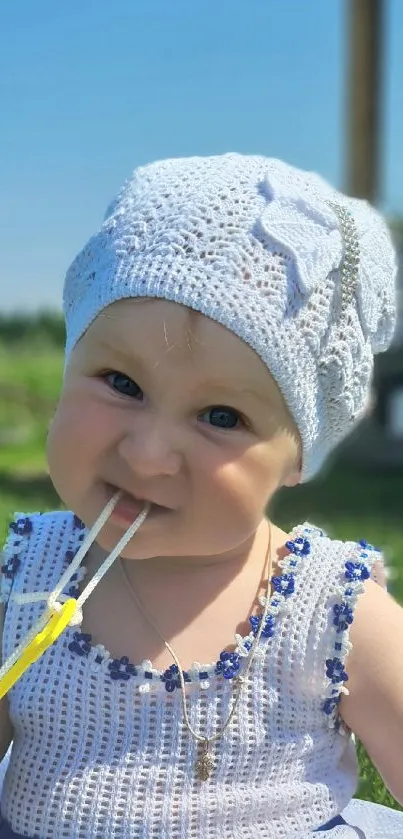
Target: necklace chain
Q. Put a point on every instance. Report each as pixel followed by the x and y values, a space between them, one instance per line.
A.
pixel 205 761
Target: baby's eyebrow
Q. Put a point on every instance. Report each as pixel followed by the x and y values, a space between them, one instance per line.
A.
pixel 126 355
pixel 239 388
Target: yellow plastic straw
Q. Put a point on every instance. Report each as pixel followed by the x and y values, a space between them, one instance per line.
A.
pixel 49 634
pixel 58 616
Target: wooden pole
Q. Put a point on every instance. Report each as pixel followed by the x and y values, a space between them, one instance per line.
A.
pixel 365 19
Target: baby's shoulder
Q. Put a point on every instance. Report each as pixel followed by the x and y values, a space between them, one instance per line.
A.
pixel 23 526
pixel 32 539
pixel 348 561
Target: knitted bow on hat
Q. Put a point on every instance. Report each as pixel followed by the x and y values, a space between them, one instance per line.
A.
pixel 322 236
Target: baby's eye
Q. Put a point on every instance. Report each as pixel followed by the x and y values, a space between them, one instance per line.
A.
pixel 222 417
pixel 123 384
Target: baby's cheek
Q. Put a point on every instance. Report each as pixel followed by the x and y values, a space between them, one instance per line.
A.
pixel 74 437
pixel 250 483
pixel 241 487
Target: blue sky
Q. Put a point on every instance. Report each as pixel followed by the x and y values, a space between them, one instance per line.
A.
pixel 89 89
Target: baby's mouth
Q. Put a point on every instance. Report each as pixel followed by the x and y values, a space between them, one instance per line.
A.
pixel 128 507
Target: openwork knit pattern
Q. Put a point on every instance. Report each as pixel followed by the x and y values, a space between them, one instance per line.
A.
pixel 300 272
pixel 97 756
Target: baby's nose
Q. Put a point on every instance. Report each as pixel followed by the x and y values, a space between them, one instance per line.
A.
pixel 150 451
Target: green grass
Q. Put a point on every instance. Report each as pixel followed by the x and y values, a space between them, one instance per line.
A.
pixel 29 382
pixel 346 502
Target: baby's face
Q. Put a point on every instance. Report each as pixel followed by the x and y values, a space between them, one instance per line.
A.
pixel 168 405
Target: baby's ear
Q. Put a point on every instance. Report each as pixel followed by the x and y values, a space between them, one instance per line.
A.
pixel 293 476
pixel 292 480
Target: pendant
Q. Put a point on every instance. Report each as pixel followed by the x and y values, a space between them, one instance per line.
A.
pixel 205 763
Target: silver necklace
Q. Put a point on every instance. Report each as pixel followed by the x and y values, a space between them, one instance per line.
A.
pixel 205 761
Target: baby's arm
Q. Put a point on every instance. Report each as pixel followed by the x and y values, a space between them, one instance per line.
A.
pixel 374 708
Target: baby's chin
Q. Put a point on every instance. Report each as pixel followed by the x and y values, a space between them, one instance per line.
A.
pixel 108 540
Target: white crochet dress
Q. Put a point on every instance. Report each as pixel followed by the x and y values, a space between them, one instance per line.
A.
pixel 100 748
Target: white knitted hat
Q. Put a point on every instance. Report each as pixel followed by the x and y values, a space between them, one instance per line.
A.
pixel 303 274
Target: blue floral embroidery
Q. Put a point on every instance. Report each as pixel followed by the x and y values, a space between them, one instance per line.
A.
pixel 228 665
pixel 22 527
pixel 356 571
pixel 335 670
pixel 10 568
pixel 299 546
pixel 81 644
pixel 285 584
pixel 268 629
pixel 331 704
pixel 343 616
pixel 364 544
pixel 171 678
pixel 121 669
pixel 73 589
pixel 255 621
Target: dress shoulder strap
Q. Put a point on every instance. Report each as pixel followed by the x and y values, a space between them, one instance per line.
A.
pixel 340 571
pixel 16 545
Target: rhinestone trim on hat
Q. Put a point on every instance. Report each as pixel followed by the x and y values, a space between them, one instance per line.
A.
pixel 351 258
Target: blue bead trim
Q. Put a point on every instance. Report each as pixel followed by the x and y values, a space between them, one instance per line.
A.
pixel 22 526
pixel 121 669
pixel 81 644
pixel 78 524
pixel 19 529
pixel 10 568
pixel 76 538
pixel 229 664
pixel 171 678
pixel 268 629
pixel 357 569
pixel 300 546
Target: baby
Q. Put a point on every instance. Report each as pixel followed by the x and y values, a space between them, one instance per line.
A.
pixel 221 328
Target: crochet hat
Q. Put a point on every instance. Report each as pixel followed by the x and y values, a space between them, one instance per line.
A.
pixel 300 272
